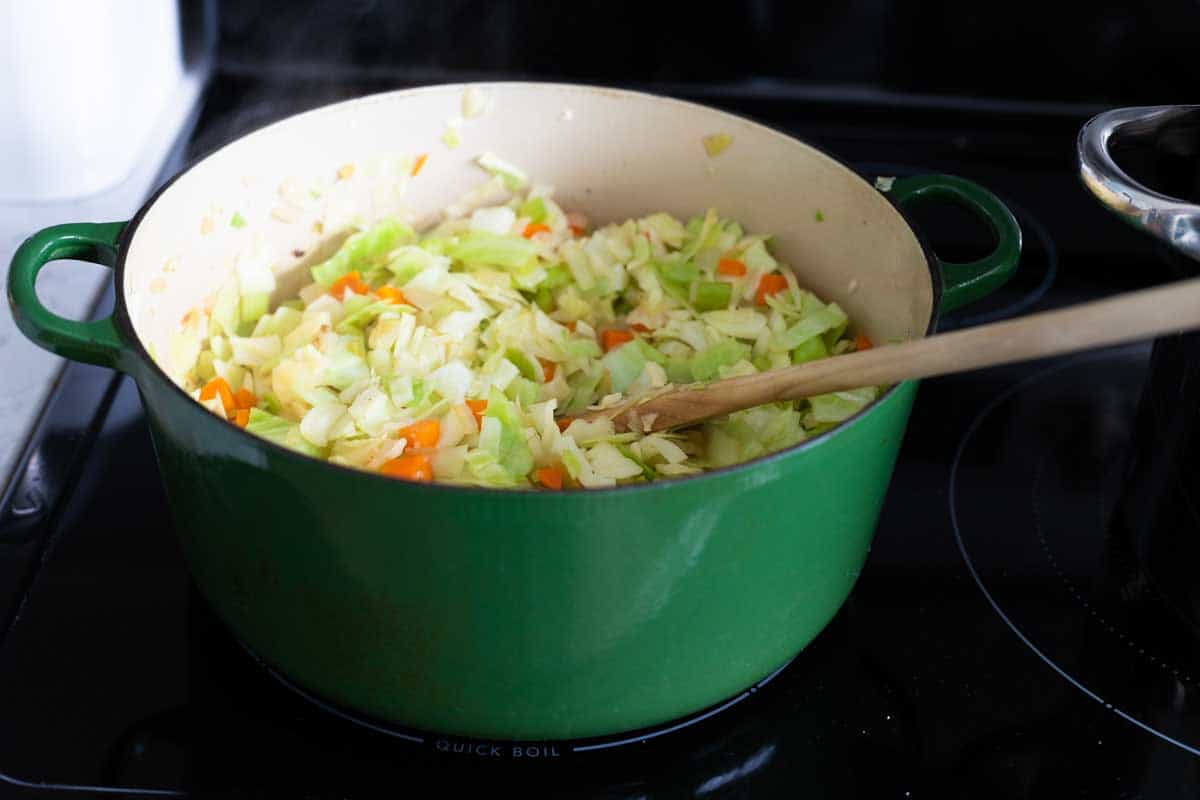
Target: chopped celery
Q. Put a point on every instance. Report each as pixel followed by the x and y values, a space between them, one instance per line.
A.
pixel 556 276
pixel 679 370
pixel 253 306
pixel 679 271
pixel 810 350
pixel 711 295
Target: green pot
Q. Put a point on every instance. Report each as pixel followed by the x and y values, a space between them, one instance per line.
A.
pixel 518 614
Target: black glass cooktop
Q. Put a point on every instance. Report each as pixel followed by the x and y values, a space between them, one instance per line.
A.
pixel 998 643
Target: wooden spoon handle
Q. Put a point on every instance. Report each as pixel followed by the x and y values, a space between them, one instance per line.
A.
pixel 1128 317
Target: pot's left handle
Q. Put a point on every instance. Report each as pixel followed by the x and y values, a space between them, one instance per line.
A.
pixel 93 342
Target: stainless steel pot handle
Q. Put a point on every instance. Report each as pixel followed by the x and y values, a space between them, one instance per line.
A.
pixel 1174 221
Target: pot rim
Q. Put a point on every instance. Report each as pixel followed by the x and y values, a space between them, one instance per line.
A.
pixel 135 347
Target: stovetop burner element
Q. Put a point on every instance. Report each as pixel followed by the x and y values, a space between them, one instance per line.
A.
pixel 1032 492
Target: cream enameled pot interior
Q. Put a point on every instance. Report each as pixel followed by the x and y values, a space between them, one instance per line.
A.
pixel 300 185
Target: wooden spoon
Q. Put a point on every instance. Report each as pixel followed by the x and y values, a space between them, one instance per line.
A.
pixel 1125 318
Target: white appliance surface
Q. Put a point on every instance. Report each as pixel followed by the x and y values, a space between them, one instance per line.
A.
pixel 94 97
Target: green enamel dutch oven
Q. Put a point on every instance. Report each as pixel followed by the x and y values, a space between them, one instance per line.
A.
pixel 514 614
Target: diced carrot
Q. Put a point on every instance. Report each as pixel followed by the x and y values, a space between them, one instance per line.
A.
pixel 731 266
pixel 410 466
pixel 244 398
pixel 613 337
pixel 534 228
pixel 392 295
pixel 548 368
pixel 563 423
pixel 420 163
pixel 242 417
pixel 550 477
pixel 421 434
pixel 769 285
pixel 570 325
pixel 577 230
pixel 861 342
pixel 351 281
pixel 219 387
pixel 477 408
pixel 639 327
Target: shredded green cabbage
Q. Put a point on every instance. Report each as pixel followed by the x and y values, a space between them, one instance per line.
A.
pixel 488 336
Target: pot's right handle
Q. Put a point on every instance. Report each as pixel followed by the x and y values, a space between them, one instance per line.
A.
pixel 93 342
pixel 964 283
pixel 1174 221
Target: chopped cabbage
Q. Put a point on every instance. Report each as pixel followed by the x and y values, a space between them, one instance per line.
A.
pixel 491 335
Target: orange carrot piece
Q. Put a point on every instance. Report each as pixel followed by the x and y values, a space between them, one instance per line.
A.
pixel 614 338
pixel 639 327
pixel 534 228
pixel 570 325
pixel 563 423
pixel 410 466
pixel 548 368
pixel 420 163
pixel 219 387
pixel 577 230
pixel 861 342
pixel 731 266
pixel 242 417
pixel 477 408
pixel 769 285
pixel 421 434
pixel 244 398
pixel 550 477
pixel 392 295
pixel 351 281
